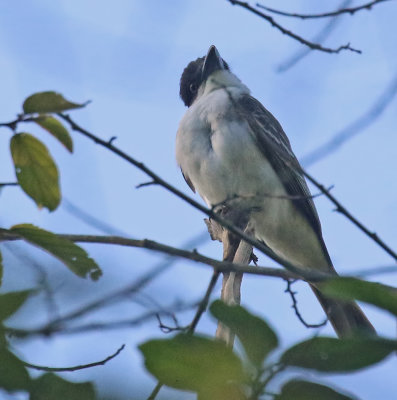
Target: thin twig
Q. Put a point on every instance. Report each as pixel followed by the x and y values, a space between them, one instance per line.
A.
pixel 341 209
pixel 238 197
pixel 347 10
pixel 204 302
pixel 9 184
pixel 57 327
pixel 77 367
pixel 320 38
pixel 89 219
pixel 155 391
pixel 295 307
pixel 20 118
pixel 308 43
pixel 169 329
pixel 150 183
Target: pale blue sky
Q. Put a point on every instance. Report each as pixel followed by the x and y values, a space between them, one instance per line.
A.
pixel 127 57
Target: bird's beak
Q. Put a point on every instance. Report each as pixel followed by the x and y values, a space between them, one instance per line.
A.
pixel 213 62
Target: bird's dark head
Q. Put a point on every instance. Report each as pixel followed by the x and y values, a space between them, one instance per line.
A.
pixel 197 72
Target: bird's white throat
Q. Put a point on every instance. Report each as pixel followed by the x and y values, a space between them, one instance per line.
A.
pixel 221 79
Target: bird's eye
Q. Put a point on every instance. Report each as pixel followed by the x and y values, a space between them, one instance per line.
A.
pixel 193 87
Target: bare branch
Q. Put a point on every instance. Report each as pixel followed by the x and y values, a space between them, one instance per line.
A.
pixel 89 219
pixel 150 183
pixel 341 209
pixel 20 118
pixel 77 367
pixel 255 243
pixel 347 10
pixel 8 184
pixel 311 45
pixel 295 307
pixel 236 197
pixel 204 302
pixel 221 266
pixel 320 37
pixel 155 391
pixel 55 327
pixel 168 329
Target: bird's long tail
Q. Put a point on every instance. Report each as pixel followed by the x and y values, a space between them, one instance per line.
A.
pixel 346 317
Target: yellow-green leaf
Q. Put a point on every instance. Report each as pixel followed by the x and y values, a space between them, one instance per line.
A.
pixel 53 387
pixel 36 171
pixel 10 302
pixel 73 256
pixel 47 102
pixel 338 355
pixel 379 295
pixel 192 363
pixel 55 127
pixel 13 374
pixel 298 389
pixel 256 336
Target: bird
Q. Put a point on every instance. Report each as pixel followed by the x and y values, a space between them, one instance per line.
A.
pixel 229 147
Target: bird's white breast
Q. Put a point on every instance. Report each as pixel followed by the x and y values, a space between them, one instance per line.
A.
pixel 218 153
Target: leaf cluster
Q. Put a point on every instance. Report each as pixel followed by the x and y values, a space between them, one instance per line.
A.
pixel 207 367
pixel 14 376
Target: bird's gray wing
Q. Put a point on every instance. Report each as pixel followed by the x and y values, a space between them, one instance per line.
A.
pixel 275 146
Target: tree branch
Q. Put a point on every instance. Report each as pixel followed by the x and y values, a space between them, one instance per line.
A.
pixel 341 209
pixel 311 45
pixel 295 307
pixel 56 326
pixel 255 243
pixel 221 266
pixel 319 38
pixel 8 184
pixel 347 10
pixel 204 302
pixel 77 367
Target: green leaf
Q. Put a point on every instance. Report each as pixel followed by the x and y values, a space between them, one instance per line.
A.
pixel 11 302
pixel 36 171
pixel 55 127
pixel 47 102
pixel 192 363
pixel 255 335
pixel 13 375
pixel 73 256
pixel 304 390
pixel 338 355
pixel 222 392
pixel 379 295
pixel 53 387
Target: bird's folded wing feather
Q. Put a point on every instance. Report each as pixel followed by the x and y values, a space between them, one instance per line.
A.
pixel 275 146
